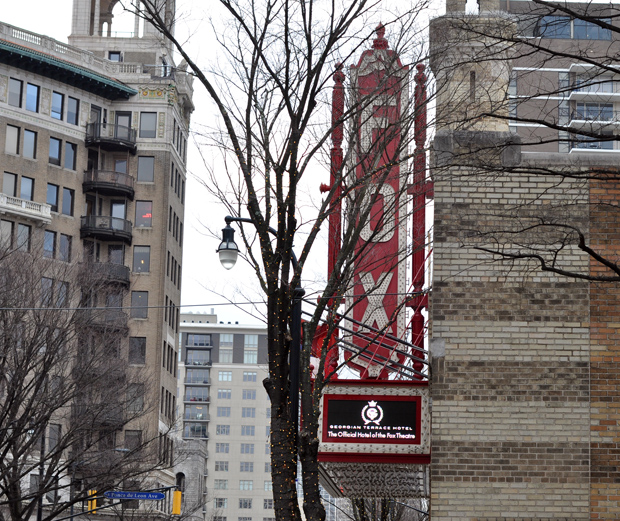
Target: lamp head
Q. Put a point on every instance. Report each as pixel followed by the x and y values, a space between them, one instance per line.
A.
pixel 228 249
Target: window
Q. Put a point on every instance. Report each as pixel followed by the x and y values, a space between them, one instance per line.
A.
pixel 141 259
pixel 54 436
pixel 133 439
pixel 47 289
pixel 54 154
pixel 247 448
pixel 146 169
pixel 594 111
pixel 222 430
pixel 62 294
pixel 249 394
pixel 226 340
pixel 23 237
pixel 248 412
pixel 115 56
pixel 268 431
pixel 220 484
pixel 58 102
pixel 222 448
pixel 249 376
pixel 6 234
pixel 223 412
pixel 27 188
pixel 139 304
pixel 245 503
pixel 195 430
pixel 221 466
pixel 268 486
pixel 67 201
pixel 247 430
pixel 73 110
pixel 9 184
pixel 224 394
pixel 268 412
pixel 225 376
pixel 11 145
pixel 137 350
pixel 15 92
pixel 220 502
pixel 587 30
pixel 198 340
pixel 32 97
pixel 144 215
pixel 250 349
pixel 30 144
pixel 267 448
pixel 226 355
pixel 267 503
pixel 52 196
pixel 197 376
pixel 268 467
pixel 135 397
pixel 553 27
pixel 246 484
pixel 148 124
pixel 70 155
pixel 64 248
pixel 49 244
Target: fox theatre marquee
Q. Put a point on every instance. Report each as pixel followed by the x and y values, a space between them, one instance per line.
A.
pixel 375 438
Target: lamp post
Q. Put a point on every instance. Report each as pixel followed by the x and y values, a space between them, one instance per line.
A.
pixel 228 252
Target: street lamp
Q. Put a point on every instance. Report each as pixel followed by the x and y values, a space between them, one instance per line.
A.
pixel 228 252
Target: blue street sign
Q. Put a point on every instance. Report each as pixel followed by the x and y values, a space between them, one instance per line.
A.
pixel 123 494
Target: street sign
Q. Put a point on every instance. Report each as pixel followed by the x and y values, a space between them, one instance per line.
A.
pixel 123 494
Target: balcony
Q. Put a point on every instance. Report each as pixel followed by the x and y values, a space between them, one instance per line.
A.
pixel 195 399
pixel 591 146
pixel 105 271
pixel 104 318
pixel 106 228
pixel 595 89
pixel 38 212
pixel 201 417
pixel 198 363
pixel 111 137
pixel 594 120
pixel 108 183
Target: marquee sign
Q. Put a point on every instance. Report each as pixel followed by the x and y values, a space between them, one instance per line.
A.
pixel 371 419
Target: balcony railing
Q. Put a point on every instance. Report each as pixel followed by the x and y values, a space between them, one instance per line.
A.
pixel 203 417
pixel 113 319
pixel 199 399
pixel 596 116
pixel 196 380
pixel 106 228
pixel 111 136
pixel 106 271
pixel 591 145
pixel 201 363
pixel 23 208
pixel 108 183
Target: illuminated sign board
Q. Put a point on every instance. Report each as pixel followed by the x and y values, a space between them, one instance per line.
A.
pixel 371 419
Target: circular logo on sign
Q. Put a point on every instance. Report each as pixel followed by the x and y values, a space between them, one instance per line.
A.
pixel 372 413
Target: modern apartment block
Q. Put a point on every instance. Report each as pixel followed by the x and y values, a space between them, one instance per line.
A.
pixel 95 144
pixel 525 370
pixel 225 404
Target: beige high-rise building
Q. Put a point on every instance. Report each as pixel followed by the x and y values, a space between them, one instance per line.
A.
pixel 95 137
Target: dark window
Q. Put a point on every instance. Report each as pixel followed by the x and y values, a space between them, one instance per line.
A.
pixel 49 244
pixel 133 440
pixel 146 169
pixel 139 304
pixel 52 196
pixel 64 248
pixel 27 188
pixel 54 155
pixel 116 254
pixel 585 30
pixel 115 56
pixel 70 153
pixel 553 27
pixel 148 124
pixel 23 237
pixel 30 144
pixel 6 234
pixel 47 290
pixel 9 184
pixel 32 97
pixel 67 201
pixel 15 92
pixel 58 102
pixel 144 215
pixel 137 350
pixel 135 397
pixel 11 145
pixel 141 259
pixel 73 110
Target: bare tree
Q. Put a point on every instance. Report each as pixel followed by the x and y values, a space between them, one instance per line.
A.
pixel 66 394
pixel 272 91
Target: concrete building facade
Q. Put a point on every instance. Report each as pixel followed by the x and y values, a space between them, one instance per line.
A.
pixel 95 144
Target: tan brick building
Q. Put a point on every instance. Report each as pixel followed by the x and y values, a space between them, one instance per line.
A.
pixel 525 367
pixel 94 165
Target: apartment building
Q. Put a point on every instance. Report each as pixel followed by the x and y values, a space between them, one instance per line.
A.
pixel 225 404
pixel 95 139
